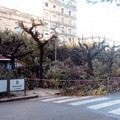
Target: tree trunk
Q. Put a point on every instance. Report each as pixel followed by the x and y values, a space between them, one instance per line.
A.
pixel 90 67
pixel 110 63
pixel 41 64
pixel 12 63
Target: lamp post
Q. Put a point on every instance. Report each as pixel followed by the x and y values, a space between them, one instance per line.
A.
pixel 56 30
pixel 55 51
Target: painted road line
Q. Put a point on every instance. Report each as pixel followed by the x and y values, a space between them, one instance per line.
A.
pixel 55 98
pixel 72 99
pixel 88 101
pixel 115 111
pixel 103 105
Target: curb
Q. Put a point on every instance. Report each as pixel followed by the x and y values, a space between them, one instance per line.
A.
pixel 19 98
pixel 51 93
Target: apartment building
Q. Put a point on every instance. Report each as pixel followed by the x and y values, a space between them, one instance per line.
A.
pixel 9 18
pixel 60 14
pixel 63 15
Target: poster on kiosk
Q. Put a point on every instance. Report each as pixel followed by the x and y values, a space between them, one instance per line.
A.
pixel 17 84
pixel 3 86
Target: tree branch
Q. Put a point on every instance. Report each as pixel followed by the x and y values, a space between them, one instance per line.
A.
pixel 50 39
pixel 24 54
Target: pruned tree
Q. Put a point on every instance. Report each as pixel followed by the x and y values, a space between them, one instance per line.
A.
pixel 13 46
pixel 109 57
pixel 89 53
pixel 39 39
pixel 107 62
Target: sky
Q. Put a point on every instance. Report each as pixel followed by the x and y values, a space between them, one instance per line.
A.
pixel 101 19
pixel 28 6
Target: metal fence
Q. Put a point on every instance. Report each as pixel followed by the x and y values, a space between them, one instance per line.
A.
pixel 111 84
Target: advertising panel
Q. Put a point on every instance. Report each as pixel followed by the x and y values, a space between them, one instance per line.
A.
pixel 3 85
pixel 17 84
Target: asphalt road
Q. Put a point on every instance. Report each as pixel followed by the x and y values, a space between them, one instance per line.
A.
pixel 46 109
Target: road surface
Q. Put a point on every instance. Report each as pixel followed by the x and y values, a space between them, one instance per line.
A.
pixel 63 108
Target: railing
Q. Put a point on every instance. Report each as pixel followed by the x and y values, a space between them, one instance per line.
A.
pixel 110 84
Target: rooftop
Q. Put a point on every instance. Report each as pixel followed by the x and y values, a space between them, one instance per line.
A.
pixel 4 58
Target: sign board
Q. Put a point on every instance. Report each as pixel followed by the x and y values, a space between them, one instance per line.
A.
pixel 3 85
pixel 17 84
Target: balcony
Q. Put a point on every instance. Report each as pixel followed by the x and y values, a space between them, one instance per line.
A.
pixel 68 34
pixel 64 14
pixel 65 24
pixel 68 4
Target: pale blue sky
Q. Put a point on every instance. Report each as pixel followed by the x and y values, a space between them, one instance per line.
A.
pixel 28 6
pixel 101 19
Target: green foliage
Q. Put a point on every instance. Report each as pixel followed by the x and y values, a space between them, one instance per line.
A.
pixel 63 52
pixel 73 62
pixel 117 2
pixel 64 70
pixel 56 71
pixel 13 46
pixel 107 62
pixel 76 56
pixel 101 90
pixel 90 52
pixel 10 73
pixel 84 88
pixel 52 83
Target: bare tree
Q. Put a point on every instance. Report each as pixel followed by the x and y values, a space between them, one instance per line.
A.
pixel 38 38
pixel 110 54
pixel 89 53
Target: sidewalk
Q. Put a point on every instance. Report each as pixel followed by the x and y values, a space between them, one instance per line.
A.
pixel 43 92
pixel 30 94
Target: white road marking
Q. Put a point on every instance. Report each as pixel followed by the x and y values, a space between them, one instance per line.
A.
pixel 103 105
pixel 56 98
pixel 116 111
pixel 89 101
pixel 72 99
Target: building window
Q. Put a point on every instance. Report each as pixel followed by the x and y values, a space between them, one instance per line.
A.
pixel 73 40
pixel 8 66
pixel 70 40
pixel 69 13
pixel 46 33
pixel 69 31
pixel 70 21
pixel 46 25
pixel 62 19
pixel 62 39
pixel 54 6
pixel 54 18
pixel 17 28
pixel 62 28
pixel 62 10
pixel 46 4
pixel 46 15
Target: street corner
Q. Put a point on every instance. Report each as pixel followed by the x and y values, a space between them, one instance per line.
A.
pixel 11 99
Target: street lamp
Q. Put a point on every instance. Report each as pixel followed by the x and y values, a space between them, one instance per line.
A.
pixel 56 30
